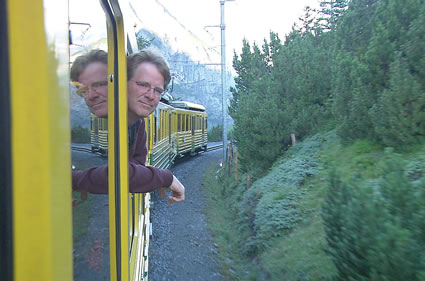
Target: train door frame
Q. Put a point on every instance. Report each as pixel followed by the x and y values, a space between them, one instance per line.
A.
pixel 117 143
pixel 6 220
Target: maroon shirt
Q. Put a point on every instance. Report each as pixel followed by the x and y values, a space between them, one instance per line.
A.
pixel 141 178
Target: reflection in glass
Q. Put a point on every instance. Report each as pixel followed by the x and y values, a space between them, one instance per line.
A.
pixel 88 98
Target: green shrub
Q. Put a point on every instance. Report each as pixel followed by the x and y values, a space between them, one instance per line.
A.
pixel 80 135
pixel 215 133
pixel 270 206
pixel 399 116
pixel 375 228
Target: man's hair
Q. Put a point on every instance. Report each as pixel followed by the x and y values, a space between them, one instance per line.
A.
pixel 134 60
pixel 83 61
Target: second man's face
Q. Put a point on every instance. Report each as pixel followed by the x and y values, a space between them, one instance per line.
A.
pixel 143 91
pixel 94 88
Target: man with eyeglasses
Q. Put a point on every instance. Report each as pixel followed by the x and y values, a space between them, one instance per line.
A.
pixel 89 74
pixel 148 75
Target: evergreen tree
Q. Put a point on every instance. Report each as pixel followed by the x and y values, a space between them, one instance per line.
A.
pixel 399 115
pixel 330 12
pixel 375 229
pixel 383 35
pixel 302 67
pixel 255 109
pixel 356 25
pixel 351 87
pixel 143 43
pixel 415 45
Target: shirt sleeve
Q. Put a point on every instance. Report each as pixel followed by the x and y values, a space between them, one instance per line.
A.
pixel 141 178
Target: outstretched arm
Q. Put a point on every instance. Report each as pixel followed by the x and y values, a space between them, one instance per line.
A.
pixel 177 191
pixel 141 179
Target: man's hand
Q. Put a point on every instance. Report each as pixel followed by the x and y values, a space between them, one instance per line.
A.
pixel 177 190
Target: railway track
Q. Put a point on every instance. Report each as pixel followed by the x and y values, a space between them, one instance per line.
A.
pixel 85 149
pixel 88 150
pixel 79 148
pixel 214 147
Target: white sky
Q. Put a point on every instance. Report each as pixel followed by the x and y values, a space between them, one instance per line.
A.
pixel 192 26
pixel 183 23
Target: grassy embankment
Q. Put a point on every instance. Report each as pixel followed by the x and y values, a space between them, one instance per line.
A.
pixel 272 229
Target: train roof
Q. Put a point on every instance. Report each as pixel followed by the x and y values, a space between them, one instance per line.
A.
pixel 187 105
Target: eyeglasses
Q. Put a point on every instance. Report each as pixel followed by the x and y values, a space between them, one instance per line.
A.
pixel 98 87
pixel 146 87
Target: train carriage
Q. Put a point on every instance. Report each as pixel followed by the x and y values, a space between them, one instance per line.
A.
pixel 102 134
pixel 94 133
pixel 162 143
pixel 192 130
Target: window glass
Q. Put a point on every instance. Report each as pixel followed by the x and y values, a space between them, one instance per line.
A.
pixel 88 86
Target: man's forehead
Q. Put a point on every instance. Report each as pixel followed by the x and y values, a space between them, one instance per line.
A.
pixel 93 72
pixel 148 68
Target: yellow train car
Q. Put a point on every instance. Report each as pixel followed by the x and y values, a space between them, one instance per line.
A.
pixel 102 134
pixel 94 133
pixel 191 124
pixel 161 137
pixel 98 134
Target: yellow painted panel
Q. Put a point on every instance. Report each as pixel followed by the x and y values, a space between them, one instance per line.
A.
pixel 42 239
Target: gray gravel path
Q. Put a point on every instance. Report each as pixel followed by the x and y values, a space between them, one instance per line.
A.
pixel 181 247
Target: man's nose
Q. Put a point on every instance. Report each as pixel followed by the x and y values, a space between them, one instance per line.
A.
pixel 150 93
pixel 91 93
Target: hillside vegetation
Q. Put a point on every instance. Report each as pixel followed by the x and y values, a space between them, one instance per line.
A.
pixel 324 211
pixel 345 202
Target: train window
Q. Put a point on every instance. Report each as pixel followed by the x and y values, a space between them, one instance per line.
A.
pixel 165 124
pixel 155 127
pixel 173 122
pixel 173 118
pixel 184 122
pixel 89 127
pixel 160 125
pixel 178 122
pixel 158 128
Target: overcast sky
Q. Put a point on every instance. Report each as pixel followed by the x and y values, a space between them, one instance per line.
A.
pixel 185 23
pixel 192 26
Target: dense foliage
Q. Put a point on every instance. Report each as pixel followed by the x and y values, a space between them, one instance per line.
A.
pixel 143 43
pixel 80 135
pixel 357 65
pixel 375 228
pixel 270 229
pixel 215 133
